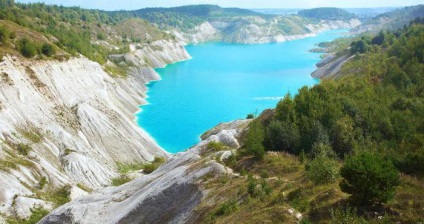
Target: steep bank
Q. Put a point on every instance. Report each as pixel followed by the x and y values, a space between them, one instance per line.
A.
pixel 70 123
pixel 256 30
pixel 330 65
pixel 168 195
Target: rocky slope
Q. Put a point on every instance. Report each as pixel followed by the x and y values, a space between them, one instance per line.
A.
pixel 168 195
pixel 329 66
pixel 70 123
pixel 255 29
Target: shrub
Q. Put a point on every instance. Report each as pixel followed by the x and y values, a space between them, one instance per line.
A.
pixel 23 149
pixel 4 34
pixel 227 208
pixel 27 48
pixel 322 169
pixel 250 116
pixel 42 183
pixel 150 167
pixel 346 216
pixel 369 178
pixel 120 180
pixel 48 49
pixel 215 146
pixel 12 35
pixel 37 213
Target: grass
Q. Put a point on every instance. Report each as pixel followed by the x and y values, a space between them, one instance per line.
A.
pixel 13 161
pixel 116 71
pixel 125 168
pixel 58 196
pixel 83 187
pixel 274 185
pixel 118 181
pixel 37 214
pixel 152 166
pixel 31 134
pixel 279 182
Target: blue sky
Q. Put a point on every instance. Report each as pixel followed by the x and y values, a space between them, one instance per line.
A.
pixel 137 4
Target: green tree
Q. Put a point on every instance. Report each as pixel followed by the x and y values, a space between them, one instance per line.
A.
pixel 369 178
pixel 6 3
pixel 343 136
pixel 286 109
pixel 254 140
pixel 282 136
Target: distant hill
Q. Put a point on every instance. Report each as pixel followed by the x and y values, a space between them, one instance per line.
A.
pixel 186 17
pixel 327 14
pixel 392 20
pixel 199 10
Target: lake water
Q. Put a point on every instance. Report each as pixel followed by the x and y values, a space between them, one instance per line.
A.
pixel 224 82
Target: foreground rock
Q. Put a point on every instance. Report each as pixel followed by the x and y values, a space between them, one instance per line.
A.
pixel 168 195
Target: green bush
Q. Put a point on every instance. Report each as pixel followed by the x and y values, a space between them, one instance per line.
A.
pixel 42 183
pixel 4 34
pixel 150 167
pixel 120 180
pixel 27 48
pixel 369 178
pixel 23 149
pixel 322 169
pixel 227 208
pixel 346 216
pixel 250 116
pixel 215 146
pixel 48 49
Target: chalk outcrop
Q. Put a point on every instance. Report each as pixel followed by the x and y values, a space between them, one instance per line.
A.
pixel 168 195
pixel 69 122
pixel 256 30
pixel 330 66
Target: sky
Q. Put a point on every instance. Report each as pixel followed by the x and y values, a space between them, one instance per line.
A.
pixel 250 4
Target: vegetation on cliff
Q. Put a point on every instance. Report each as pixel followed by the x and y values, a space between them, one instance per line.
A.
pixel 348 150
pixel 92 33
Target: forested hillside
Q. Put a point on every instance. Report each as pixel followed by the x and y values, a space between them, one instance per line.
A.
pixel 327 14
pixel 92 33
pixel 187 17
pixel 392 20
pixel 348 150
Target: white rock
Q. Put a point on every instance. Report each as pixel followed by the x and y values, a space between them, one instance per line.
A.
pixel 23 206
pixel 86 119
pixel 76 192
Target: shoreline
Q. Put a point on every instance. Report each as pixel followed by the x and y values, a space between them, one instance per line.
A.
pixel 137 114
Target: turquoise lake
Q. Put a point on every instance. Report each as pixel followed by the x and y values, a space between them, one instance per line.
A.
pixel 224 82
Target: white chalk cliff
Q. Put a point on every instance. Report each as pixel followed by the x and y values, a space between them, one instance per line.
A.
pixel 70 123
pixel 256 30
pixel 168 195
